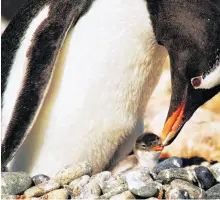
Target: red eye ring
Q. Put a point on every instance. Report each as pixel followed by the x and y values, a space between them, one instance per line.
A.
pixel 196 81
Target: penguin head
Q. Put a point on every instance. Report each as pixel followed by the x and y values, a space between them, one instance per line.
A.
pixel 193 85
pixel 194 52
pixel 148 142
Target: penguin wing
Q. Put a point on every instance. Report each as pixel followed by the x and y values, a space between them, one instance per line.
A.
pixel 30 46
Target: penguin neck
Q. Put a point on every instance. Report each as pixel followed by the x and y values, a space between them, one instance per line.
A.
pixel 147 158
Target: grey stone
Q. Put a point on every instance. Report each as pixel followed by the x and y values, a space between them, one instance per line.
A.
pixel 42 188
pixel 79 182
pixel 13 183
pixel 167 187
pixel 177 194
pixel 22 197
pixel 71 172
pixel 154 176
pixel 105 175
pixel 205 164
pixel 8 197
pixel 91 190
pixel 121 178
pixel 213 192
pixel 137 178
pixel 170 163
pixel 215 169
pixel 124 195
pixel 115 191
pixel 40 178
pixel 69 190
pixel 56 194
pixel 91 196
pixel 194 191
pixel 100 178
pixel 149 190
pixel 191 167
pixel 168 175
pixel 205 177
pixel 113 183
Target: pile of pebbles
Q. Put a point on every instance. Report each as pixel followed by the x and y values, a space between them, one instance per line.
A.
pixel 172 178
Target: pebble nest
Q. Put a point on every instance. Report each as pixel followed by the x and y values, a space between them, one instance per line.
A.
pixel 172 178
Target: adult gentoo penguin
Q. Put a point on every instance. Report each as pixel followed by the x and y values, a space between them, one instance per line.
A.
pixel 77 76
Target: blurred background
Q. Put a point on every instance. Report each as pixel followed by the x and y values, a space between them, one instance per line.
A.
pixel 200 136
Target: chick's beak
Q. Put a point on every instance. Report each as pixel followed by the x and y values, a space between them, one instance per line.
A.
pixel 158 148
pixel 173 125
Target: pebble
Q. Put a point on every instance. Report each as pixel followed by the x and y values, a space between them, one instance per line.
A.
pixel 194 191
pixel 79 182
pixel 138 178
pixel 170 163
pixel 213 192
pixel 92 189
pixel 113 183
pixel 74 171
pixel 56 194
pixel 205 164
pixel 168 175
pixel 191 167
pixel 115 191
pixel 167 187
pixel 101 177
pixel 25 198
pixel 205 177
pixel 8 197
pixel 13 183
pixel 40 178
pixel 149 190
pixel 69 190
pixel 216 171
pixel 177 194
pixel 42 188
pixel 124 195
pixel 154 176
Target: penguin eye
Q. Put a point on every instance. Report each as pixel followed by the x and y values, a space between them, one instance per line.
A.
pixel 196 81
pixel 143 145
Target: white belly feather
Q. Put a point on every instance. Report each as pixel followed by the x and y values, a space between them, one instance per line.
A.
pixel 107 70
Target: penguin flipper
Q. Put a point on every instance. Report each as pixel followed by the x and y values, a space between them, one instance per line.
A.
pixel 35 37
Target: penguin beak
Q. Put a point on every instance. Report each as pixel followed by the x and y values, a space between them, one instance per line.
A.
pixel 185 100
pixel 173 125
pixel 158 148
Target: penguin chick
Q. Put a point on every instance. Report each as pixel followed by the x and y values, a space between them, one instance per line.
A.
pixel 147 150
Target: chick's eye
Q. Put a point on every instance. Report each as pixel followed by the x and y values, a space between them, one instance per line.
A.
pixel 196 81
pixel 143 145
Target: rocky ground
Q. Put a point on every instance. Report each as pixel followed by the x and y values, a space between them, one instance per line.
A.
pixel 173 178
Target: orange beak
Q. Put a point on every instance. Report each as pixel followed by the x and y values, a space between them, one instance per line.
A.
pixel 172 124
pixel 158 148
